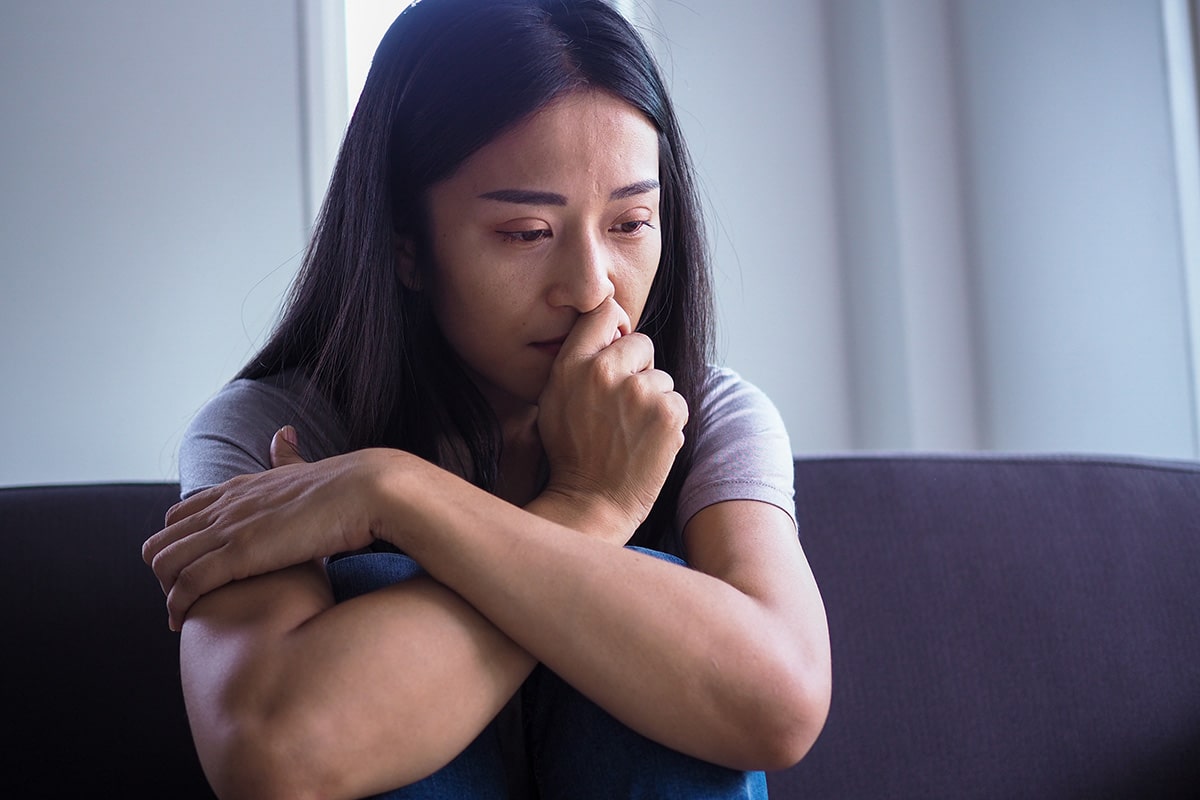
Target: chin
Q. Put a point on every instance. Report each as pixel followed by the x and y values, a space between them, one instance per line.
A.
pixel 511 400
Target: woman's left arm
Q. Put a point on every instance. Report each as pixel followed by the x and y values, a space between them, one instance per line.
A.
pixel 727 661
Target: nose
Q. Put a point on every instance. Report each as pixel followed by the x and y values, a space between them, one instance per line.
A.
pixel 582 277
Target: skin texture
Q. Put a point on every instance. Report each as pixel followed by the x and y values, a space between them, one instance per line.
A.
pixel 509 273
pixel 290 695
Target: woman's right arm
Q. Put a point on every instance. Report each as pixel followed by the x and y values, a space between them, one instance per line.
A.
pixel 290 695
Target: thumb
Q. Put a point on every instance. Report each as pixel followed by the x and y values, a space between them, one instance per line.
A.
pixel 284 447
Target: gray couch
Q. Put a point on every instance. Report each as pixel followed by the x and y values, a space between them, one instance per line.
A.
pixel 1002 627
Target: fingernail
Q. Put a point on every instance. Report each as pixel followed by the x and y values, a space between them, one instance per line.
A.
pixel 289 435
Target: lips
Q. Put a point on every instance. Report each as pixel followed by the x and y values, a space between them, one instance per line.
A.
pixel 550 346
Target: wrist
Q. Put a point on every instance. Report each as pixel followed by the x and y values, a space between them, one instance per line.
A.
pixel 386 474
pixel 587 512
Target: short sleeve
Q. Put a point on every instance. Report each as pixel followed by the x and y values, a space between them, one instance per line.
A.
pixel 742 450
pixel 231 435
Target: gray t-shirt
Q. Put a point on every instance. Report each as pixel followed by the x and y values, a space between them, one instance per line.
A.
pixel 742 450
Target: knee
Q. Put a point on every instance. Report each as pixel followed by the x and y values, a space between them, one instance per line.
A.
pixel 358 573
pixel 657 554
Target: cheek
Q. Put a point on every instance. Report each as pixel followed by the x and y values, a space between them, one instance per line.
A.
pixel 634 284
pixel 477 294
pixel 454 291
pixel 458 275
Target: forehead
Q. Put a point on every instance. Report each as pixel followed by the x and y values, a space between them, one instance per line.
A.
pixel 587 136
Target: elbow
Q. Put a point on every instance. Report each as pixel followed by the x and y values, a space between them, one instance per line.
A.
pixel 793 737
pixel 264 761
pixel 247 770
pixel 791 716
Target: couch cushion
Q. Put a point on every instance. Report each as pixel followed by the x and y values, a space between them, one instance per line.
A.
pixel 1005 627
pixel 93 672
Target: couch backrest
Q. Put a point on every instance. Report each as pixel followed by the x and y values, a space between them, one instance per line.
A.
pixel 1005 627
pixel 1001 627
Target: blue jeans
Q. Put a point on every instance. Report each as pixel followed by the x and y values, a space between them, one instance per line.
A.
pixel 569 748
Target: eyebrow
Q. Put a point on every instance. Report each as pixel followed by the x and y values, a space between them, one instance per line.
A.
pixel 526 197
pixel 531 197
pixel 641 187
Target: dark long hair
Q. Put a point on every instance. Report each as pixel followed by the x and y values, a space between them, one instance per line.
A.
pixel 447 78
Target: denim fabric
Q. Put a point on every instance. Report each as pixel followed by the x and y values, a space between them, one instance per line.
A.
pixel 579 752
pixel 358 573
pixel 573 748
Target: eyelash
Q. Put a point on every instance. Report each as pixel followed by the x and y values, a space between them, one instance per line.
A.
pixel 525 237
pixel 640 223
pixel 540 234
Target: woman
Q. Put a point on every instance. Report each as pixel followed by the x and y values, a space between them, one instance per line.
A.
pixel 494 362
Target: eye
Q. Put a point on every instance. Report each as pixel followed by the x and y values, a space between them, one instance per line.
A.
pixel 631 227
pixel 525 237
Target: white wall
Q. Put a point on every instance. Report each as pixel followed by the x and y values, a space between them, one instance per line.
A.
pixel 751 89
pixel 1076 232
pixel 899 194
pixel 150 217
pixel 866 162
pixel 1005 268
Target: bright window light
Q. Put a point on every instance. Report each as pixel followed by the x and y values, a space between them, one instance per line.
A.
pixel 366 22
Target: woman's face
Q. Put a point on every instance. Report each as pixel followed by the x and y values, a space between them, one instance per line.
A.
pixel 539 226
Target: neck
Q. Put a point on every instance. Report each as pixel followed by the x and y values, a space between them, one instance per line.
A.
pixel 522 460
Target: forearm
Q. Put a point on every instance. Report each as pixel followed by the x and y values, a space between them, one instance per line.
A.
pixel 678 655
pixel 355 699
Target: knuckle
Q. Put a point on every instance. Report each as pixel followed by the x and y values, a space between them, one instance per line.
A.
pixel 636 345
pixel 644 346
pixel 149 550
pixel 601 373
pixel 160 568
pixel 187 581
pixel 674 411
pixel 676 417
pixel 177 605
pixel 234 550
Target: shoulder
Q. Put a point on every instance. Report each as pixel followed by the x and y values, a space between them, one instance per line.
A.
pixel 231 434
pixel 729 399
pixel 732 410
pixel 742 451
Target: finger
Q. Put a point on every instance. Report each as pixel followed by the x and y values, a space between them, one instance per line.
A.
pixel 196 580
pixel 631 355
pixel 191 504
pixel 680 408
pixel 184 545
pixel 171 529
pixel 596 330
pixel 285 447
pixel 177 544
pixel 655 389
pixel 655 381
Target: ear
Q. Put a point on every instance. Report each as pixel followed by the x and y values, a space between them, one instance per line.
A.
pixel 406 262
